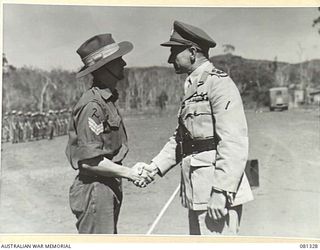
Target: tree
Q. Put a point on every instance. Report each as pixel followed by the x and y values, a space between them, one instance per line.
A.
pixel 43 91
pixel 5 64
pixel 228 48
pixel 316 21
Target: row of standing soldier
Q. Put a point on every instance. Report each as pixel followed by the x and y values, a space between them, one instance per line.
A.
pixel 21 127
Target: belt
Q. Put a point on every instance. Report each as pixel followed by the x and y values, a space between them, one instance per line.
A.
pixel 197 146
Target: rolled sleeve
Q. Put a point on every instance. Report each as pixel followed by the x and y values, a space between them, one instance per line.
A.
pixel 231 132
pixel 89 128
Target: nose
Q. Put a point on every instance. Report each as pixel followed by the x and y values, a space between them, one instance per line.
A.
pixel 123 62
pixel 171 58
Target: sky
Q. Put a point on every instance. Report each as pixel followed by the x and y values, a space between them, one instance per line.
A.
pixel 47 36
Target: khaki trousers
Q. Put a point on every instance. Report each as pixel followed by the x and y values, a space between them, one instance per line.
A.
pixel 95 205
pixel 201 224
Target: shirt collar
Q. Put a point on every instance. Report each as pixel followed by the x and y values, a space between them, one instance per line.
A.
pixel 106 93
pixel 196 74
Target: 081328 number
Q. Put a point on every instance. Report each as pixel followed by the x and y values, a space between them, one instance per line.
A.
pixel 311 246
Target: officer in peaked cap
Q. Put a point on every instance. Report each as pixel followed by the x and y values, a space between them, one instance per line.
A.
pixel 187 35
pixel 97 138
pixel 210 142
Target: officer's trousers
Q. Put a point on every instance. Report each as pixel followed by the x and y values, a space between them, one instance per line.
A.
pixel 96 207
pixel 201 224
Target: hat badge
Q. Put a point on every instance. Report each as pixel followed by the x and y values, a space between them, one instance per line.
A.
pixel 172 32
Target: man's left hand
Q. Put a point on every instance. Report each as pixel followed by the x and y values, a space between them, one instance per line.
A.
pixel 217 205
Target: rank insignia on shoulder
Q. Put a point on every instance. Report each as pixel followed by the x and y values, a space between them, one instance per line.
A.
pixel 95 128
pixel 218 73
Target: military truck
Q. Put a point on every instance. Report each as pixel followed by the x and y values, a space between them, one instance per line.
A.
pixel 279 98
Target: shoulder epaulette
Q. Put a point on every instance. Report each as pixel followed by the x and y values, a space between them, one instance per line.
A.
pixel 218 73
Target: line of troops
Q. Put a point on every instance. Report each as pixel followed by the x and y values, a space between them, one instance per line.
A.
pixel 22 127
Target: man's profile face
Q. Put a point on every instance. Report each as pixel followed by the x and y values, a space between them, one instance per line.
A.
pixel 180 58
pixel 116 66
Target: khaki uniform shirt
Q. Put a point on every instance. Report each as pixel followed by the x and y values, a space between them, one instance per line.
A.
pixel 96 129
pixel 211 108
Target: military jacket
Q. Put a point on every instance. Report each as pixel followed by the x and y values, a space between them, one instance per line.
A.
pixel 211 108
pixel 96 129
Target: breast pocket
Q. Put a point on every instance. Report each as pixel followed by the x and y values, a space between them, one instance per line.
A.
pixel 113 130
pixel 112 119
pixel 197 118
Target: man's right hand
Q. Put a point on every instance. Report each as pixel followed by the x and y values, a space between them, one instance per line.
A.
pixel 152 169
pixel 135 175
pixel 147 172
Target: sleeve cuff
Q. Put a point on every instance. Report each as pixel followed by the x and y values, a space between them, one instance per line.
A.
pixel 86 152
pixel 229 195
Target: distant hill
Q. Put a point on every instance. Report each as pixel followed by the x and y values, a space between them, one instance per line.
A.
pixel 143 87
pixel 309 70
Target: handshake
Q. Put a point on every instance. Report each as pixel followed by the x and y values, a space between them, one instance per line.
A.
pixel 142 174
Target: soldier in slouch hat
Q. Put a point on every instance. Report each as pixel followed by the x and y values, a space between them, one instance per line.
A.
pixel 98 140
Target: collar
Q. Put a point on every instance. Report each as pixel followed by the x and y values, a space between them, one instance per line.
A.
pixel 193 80
pixel 107 94
pixel 196 74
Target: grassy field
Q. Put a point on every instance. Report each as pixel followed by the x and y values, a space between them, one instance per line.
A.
pixel 36 177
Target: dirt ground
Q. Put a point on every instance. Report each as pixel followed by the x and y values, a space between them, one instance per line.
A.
pixel 35 178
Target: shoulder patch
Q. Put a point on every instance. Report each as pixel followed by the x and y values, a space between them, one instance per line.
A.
pixel 95 113
pixel 218 73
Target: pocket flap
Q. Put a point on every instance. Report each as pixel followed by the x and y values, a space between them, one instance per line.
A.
pixel 203 159
pixel 244 193
pixel 195 109
pixel 114 120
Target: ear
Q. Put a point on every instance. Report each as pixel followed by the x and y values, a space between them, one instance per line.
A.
pixel 193 52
